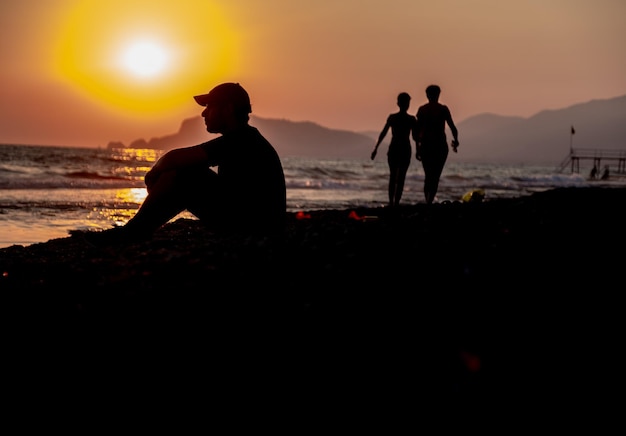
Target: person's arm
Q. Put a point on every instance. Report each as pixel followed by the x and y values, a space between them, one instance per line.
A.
pixel 175 159
pixel 453 129
pixel 417 135
pixel 382 135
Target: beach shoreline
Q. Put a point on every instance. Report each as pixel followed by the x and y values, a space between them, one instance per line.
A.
pixel 466 300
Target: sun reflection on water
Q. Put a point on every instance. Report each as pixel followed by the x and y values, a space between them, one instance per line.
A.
pixel 136 154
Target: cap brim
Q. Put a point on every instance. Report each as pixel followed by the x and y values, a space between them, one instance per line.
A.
pixel 202 100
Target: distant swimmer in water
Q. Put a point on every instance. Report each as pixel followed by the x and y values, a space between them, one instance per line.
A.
pixel 605 174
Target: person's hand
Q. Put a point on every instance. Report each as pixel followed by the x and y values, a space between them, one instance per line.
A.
pixel 455 145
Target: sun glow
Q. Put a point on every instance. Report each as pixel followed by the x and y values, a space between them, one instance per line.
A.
pixel 133 57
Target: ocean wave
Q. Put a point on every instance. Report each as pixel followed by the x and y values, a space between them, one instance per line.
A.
pixel 70 183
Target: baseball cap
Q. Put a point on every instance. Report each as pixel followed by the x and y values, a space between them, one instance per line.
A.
pixel 226 93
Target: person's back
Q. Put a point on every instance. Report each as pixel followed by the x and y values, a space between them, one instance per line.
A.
pixel 252 192
pixel 401 124
pixel 432 123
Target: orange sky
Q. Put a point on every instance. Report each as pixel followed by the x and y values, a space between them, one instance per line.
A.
pixel 65 79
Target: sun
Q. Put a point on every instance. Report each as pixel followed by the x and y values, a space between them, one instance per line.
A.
pixel 144 59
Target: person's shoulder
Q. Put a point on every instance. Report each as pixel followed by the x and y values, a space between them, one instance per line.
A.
pixel 253 135
pixel 403 117
pixel 244 132
pixel 443 107
pixel 253 132
pixel 213 142
pixel 400 115
pixel 248 130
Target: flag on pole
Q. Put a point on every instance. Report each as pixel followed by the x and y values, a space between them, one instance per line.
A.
pixel 573 131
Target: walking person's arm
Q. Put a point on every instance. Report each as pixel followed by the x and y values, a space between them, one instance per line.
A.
pixel 454 130
pixel 382 135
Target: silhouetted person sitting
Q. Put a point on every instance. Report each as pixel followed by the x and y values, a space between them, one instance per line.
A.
pixel 246 194
pixel 399 152
pixel 594 172
pixel 431 142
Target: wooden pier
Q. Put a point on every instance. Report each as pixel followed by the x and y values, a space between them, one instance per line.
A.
pixel 613 159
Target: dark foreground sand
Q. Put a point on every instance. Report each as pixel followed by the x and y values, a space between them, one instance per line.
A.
pixel 505 308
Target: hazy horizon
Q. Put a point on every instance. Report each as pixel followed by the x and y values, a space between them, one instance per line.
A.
pixel 83 73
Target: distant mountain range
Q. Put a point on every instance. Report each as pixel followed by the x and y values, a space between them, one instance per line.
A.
pixel 290 138
pixel 544 138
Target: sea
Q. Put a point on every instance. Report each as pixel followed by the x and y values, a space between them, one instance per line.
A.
pixel 47 191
